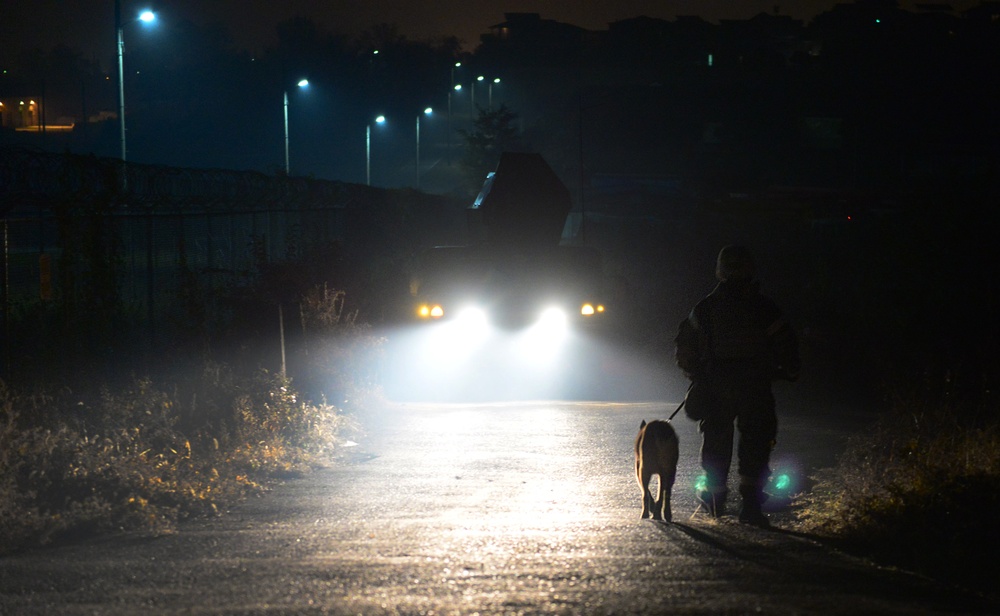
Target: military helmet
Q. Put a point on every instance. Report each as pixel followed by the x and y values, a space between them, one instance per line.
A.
pixel 735 263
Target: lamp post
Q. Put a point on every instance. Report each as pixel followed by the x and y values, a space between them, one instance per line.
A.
pixel 368 149
pixel 427 111
pixel 479 78
pixel 454 88
pixel 302 83
pixel 146 17
pixel 490 90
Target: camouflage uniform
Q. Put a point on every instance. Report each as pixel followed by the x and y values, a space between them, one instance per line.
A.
pixel 732 346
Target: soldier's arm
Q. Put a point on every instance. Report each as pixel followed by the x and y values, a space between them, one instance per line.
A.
pixel 688 348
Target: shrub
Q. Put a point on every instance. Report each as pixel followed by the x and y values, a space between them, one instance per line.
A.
pixel 339 358
pixel 918 490
pixel 139 459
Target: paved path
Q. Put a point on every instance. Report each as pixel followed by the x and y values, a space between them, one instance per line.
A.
pixel 516 508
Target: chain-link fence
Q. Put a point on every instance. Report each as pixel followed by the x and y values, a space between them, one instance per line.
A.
pixel 96 251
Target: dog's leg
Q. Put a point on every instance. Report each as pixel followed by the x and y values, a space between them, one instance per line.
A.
pixel 663 502
pixel 668 477
pixel 651 503
pixel 640 477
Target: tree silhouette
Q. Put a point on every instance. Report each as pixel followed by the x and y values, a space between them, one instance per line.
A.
pixel 493 132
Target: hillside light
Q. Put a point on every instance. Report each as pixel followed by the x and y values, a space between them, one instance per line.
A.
pixel 302 83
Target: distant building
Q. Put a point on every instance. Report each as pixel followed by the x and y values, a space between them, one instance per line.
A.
pixel 20 113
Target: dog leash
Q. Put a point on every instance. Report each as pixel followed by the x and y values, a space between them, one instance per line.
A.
pixel 681 405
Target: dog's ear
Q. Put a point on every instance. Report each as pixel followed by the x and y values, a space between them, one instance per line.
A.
pixel 642 425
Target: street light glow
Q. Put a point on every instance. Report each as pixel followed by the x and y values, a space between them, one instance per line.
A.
pixel 301 83
pixel 368 148
pixel 146 16
pixel 416 168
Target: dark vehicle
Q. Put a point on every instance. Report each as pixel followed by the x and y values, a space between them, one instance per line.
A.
pixel 519 276
pixel 510 290
pixel 516 311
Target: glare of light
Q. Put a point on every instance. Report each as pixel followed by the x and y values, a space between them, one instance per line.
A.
pixel 458 64
pixel 782 482
pixel 458 87
pixel 496 80
pixel 147 16
pixel 552 319
pixel 437 312
pixel 428 111
pixel 480 78
pixel 587 310
pixel 701 483
pixel 542 342
pixel 472 320
pixel 380 119
pixel 303 83
pixel 600 308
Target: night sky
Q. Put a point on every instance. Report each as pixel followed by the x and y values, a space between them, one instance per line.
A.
pixel 88 25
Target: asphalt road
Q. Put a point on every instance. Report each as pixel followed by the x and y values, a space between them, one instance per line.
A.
pixel 514 508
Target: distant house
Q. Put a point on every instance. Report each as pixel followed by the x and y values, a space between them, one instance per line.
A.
pixel 531 29
pixel 20 113
pixel 527 39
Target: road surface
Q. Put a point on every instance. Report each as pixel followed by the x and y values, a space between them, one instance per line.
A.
pixel 512 508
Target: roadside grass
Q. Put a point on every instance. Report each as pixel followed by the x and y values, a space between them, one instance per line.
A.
pixel 147 453
pixel 143 458
pixel 920 489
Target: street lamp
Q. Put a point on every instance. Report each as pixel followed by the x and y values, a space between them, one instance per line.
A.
pixel 490 90
pixel 481 79
pixel 302 83
pixel 145 17
pixel 454 88
pixel 368 149
pixel 427 111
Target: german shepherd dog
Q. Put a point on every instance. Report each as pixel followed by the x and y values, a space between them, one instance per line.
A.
pixel 656 453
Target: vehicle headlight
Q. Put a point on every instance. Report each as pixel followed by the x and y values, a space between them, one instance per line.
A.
pixel 552 319
pixel 471 321
pixel 588 309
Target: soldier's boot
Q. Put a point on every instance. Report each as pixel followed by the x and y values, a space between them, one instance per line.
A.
pixel 714 501
pixel 750 511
